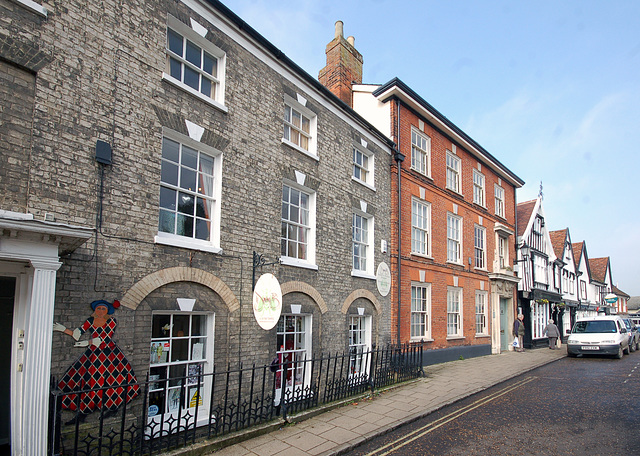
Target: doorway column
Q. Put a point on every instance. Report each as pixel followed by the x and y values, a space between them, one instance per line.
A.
pixel 37 359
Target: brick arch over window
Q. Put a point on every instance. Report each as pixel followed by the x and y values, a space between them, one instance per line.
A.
pixel 134 296
pixel 366 294
pixel 305 288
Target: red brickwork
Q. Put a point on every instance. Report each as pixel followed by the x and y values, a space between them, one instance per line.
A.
pixel 344 67
pixel 437 271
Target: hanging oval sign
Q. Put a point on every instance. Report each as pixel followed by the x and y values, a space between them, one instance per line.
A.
pixel 383 279
pixel 267 301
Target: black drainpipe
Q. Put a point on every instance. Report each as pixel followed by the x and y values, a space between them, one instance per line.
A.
pixel 399 158
pixel 515 213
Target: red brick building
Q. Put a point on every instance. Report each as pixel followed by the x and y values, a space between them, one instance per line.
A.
pixel 453 218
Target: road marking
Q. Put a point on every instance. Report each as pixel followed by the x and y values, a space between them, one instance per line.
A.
pixel 414 435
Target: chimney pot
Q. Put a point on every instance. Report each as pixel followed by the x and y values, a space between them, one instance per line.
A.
pixel 339 29
pixel 344 65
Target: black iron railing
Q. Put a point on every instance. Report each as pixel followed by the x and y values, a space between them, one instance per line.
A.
pixel 206 405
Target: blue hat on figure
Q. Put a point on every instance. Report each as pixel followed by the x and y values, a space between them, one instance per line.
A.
pixel 111 306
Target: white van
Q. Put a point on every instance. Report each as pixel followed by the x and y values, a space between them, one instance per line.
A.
pixel 601 335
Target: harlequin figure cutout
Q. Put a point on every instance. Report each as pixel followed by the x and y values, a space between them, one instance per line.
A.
pixel 102 364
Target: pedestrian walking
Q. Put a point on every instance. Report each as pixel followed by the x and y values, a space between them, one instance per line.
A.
pixel 518 331
pixel 553 333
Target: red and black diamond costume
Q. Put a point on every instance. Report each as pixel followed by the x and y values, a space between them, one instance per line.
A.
pixel 99 366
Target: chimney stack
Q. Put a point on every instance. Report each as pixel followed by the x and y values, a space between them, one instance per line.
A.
pixel 344 65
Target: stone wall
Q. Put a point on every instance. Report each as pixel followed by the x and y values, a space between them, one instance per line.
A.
pixel 100 78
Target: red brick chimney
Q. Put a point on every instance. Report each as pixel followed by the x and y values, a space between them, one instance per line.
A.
pixel 344 66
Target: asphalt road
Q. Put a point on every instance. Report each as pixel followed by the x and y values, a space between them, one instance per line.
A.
pixel 575 406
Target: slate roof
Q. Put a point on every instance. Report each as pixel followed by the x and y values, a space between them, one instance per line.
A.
pixel 634 303
pixel 523 213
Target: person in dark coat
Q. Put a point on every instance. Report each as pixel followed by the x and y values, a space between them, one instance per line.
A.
pixel 553 333
pixel 518 331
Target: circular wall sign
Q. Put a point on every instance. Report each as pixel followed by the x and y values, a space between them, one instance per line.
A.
pixel 383 279
pixel 267 301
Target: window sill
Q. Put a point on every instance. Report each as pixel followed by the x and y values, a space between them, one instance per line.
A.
pixel 288 261
pixel 174 82
pixel 421 339
pixel 428 176
pixel 363 183
pixel 32 6
pixel 421 255
pixel 362 274
pixel 456 263
pixel 300 149
pixel 185 243
pixel 482 336
pixel 456 337
pixel 481 269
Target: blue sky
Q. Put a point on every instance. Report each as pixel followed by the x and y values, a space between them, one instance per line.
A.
pixel 550 88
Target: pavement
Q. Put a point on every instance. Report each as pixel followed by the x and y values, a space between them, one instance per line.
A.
pixel 338 429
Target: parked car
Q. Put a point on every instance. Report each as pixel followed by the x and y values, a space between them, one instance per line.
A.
pixel 601 335
pixel 634 335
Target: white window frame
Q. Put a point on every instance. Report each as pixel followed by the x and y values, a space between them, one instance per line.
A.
pixel 420 227
pixel 309 261
pixel 363 166
pixel 482 315
pixel 359 344
pixel 218 82
pixel 454 238
pixel 453 172
pixel 454 313
pixel 480 247
pixel 539 318
pixel 541 270
pixel 302 350
pixel 499 200
pixel 288 126
pixel 420 152
pixel 364 239
pixel 33 6
pixel 503 252
pixel 420 311
pixel 572 284
pixel 206 363
pixel 213 244
pixel 478 188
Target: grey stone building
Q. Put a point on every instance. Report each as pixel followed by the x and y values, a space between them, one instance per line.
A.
pixel 151 153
